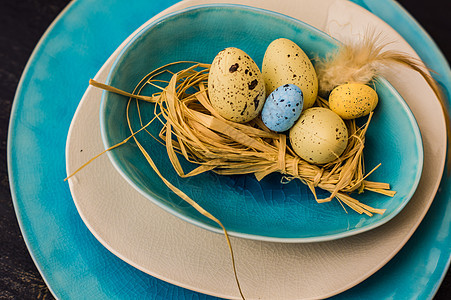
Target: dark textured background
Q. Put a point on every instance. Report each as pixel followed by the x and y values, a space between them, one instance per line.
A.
pixel 22 23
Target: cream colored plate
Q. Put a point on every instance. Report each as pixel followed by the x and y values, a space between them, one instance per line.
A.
pixel 166 247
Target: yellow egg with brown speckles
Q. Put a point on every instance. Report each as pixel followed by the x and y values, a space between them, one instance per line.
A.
pixel 286 63
pixel 235 86
pixel 353 100
pixel 319 136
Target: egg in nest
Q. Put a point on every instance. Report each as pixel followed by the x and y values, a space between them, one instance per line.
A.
pixel 283 107
pixel 286 63
pixel 319 136
pixel 235 86
pixel 353 100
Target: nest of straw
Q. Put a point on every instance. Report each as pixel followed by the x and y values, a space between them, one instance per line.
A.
pixel 192 129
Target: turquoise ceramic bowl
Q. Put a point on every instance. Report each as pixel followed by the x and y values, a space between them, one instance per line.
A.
pixel 265 210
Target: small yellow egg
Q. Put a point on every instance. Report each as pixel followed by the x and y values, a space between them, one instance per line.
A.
pixel 235 86
pixel 353 100
pixel 319 136
pixel 286 63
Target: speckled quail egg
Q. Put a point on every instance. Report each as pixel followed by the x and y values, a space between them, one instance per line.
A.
pixel 283 107
pixel 319 136
pixel 353 100
pixel 285 62
pixel 235 86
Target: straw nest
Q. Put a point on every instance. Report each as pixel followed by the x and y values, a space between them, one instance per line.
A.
pixel 194 130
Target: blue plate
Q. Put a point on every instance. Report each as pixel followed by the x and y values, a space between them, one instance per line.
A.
pixel 266 209
pixel 73 263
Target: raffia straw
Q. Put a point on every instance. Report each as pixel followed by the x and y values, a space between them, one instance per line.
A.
pixel 193 129
pixel 176 190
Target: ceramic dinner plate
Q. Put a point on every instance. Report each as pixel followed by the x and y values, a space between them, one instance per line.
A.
pixel 72 262
pixel 160 244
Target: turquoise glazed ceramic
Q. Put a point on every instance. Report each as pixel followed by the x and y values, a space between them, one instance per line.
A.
pixel 72 262
pixel 265 210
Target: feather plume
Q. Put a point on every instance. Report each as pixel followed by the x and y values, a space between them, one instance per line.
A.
pixel 363 60
pixel 353 62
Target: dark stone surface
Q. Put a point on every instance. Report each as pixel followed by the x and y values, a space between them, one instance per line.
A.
pixel 22 23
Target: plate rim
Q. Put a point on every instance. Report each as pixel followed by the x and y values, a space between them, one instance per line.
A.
pixel 10 134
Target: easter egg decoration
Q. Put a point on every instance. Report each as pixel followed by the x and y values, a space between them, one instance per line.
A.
pixel 285 62
pixel 353 100
pixel 283 107
pixel 235 86
pixel 319 136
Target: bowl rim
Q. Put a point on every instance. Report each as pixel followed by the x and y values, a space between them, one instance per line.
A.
pixel 321 238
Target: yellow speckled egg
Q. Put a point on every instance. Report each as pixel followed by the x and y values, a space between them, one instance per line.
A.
pixel 319 136
pixel 286 63
pixel 353 100
pixel 235 86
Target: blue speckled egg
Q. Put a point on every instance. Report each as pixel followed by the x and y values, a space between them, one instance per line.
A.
pixel 283 107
